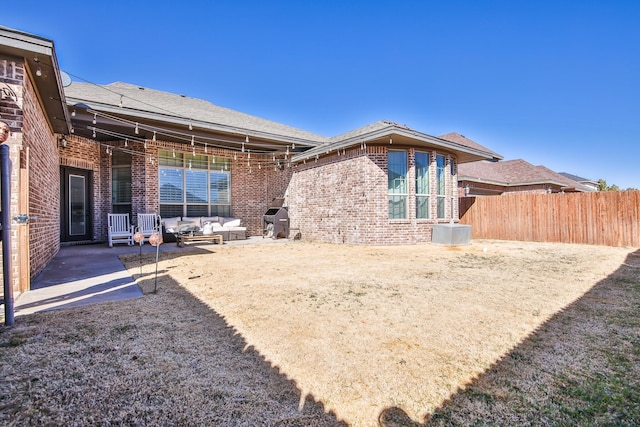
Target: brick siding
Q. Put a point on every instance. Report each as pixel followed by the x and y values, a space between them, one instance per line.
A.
pixel 344 199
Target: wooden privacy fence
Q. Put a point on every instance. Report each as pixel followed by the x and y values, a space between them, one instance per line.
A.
pixel 610 218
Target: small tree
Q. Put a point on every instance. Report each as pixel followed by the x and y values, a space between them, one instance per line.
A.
pixel 602 186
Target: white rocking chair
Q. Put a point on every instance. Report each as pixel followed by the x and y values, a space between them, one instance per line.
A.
pixel 148 224
pixel 119 230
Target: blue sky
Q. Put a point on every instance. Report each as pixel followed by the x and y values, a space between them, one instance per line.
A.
pixel 554 83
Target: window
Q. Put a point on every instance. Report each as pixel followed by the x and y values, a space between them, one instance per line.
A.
pixel 440 185
pixel 193 185
pixel 121 182
pixel 422 185
pixel 397 175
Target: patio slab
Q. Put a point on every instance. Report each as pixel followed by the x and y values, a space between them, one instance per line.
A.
pixel 88 274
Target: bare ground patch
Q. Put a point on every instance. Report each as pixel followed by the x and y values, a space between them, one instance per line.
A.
pixel 282 334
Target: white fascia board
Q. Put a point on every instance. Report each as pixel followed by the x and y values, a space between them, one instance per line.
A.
pixel 25 44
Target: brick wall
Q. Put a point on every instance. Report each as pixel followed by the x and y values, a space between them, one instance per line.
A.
pixel 44 183
pixel 80 153
pixel 344 199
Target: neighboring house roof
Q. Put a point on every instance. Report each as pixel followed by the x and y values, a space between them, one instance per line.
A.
pixel 585 181
pixel 511 173
pixel 388 132
pixel 123 99
pixel 40 59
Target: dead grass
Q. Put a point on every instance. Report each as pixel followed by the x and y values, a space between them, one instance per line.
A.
pixel 312 334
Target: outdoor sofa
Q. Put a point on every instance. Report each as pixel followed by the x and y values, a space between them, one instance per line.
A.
pixel 229 228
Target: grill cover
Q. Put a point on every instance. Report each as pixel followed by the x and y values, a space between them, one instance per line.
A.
pixel 275 223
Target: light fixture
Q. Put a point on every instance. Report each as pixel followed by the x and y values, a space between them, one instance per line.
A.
pixel 390 140
pixel 120 105
pixel 145 144
pixel 126 142
pixel 73 113
pixel 205 148
pixel 190 126
pixel 94 132
pixel 95 118
pixel 136 130
pixel 192 140
pixel 38 69
pixel 154 137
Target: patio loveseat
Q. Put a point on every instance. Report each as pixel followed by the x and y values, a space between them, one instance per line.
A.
pixel 228 227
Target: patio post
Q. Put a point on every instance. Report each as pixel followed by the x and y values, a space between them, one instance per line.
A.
pixel 5 218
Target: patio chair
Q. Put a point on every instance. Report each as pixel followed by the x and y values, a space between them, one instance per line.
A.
pixel 148 224
pixel 119 229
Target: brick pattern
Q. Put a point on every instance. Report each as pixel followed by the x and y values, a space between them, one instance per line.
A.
pixel 80 153
pixel 344 199
pixel 44 182
pixel 253 189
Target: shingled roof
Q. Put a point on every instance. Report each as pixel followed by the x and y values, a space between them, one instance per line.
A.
pixel 388 132
pixel 463 140
pixel 158 109
pixel 137 101
pixel 512 173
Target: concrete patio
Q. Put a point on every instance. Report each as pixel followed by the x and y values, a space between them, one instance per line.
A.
pixel 88 274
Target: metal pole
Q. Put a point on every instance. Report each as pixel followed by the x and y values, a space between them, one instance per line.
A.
pixel 5 205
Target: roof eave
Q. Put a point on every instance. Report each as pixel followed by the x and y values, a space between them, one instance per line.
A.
pixel 180 121
pixel 39 52
pixel 465 154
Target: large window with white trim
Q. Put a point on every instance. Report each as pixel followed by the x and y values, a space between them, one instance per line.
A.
pixel 193 185
pixel 398 191
pixel 440 185
pixel 422 184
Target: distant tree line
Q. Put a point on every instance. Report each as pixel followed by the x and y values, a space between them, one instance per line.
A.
pixel 602 186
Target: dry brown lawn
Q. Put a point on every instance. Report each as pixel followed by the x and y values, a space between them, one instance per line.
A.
pixel 302 333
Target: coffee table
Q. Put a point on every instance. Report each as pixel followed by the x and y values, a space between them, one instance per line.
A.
pixel 198 239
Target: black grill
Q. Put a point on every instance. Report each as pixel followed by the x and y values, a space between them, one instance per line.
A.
pixel 275 222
